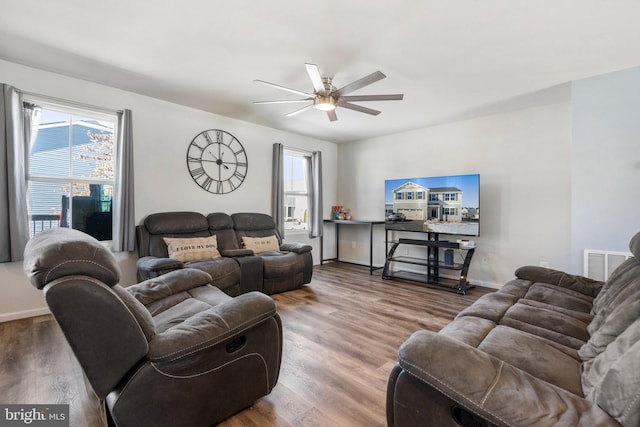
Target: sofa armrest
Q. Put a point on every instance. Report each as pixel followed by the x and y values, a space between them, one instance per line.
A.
pixel 298 248
pixel 236 253
pixel 577 283
pixel 169 284
pixel 211 327
pixel 491 388
pixel 150 266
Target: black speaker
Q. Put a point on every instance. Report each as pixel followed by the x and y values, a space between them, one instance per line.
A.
pixel 448 256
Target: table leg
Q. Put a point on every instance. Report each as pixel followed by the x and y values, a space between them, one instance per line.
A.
pixel 371 249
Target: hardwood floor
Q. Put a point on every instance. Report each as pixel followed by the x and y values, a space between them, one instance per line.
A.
pixel 341 337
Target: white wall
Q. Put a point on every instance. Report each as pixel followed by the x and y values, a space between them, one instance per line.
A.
pixel 605 162
pixel 556 178
pixel 162 131
pixel 523 158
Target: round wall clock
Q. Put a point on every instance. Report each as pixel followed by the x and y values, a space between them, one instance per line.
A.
pixel 217 161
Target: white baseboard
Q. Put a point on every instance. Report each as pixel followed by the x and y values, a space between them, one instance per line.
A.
pixel 485 284
pixel 24 314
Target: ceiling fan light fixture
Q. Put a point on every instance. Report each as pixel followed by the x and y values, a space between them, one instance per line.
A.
pixel 324 103
pixel 327 98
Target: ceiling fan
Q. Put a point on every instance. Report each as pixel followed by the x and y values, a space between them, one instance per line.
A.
pixel 326 97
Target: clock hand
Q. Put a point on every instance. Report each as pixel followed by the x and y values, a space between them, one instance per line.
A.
pixel 222 162
pixel 214 161
pixel 217 160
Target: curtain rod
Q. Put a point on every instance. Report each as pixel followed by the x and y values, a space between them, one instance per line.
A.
pixel 299 150
pixel 70 103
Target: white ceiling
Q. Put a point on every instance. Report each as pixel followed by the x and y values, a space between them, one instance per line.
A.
pixel 451 58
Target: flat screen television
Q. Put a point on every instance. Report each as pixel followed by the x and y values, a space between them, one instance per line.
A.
pixel 440 204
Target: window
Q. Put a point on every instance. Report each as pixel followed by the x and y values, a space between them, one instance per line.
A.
pixel 433 197
pixel 409 195
pixel 296 196
pixel 450 211
pixel 399 195
pixel 420 195
pixel 71 172
pixel 451 196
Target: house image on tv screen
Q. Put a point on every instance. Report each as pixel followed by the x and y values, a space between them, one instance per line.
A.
pixel 416 202
pixel 444 204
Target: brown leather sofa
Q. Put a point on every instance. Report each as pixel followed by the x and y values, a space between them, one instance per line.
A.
pixel 169 351
pixel 239 270
pixel 547 349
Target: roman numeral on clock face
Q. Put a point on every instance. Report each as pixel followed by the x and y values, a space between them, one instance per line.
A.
pixel 207 183
pixel 197 172
pixel 207 137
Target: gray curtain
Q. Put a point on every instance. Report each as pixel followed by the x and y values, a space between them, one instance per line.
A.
pixel 277 187
pixel 315 194
pixel 14 216
pixel 124 212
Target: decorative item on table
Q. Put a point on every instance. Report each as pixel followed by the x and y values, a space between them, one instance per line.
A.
pixel 335 211
pixel 466 244
pixel 340 213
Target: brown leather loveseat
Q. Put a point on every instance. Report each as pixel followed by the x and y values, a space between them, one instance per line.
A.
pixel 547 349
pixel 234 268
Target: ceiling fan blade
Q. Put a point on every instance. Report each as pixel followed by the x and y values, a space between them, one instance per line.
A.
pixel 293 113
pixel 371 78
pixel 299 92
pixel 316 78
pixel 332 115
pixel 359 108
pixel 284 101
pixel 394 97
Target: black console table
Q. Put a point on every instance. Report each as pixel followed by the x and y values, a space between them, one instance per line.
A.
pixel 341 222
pixel 433 263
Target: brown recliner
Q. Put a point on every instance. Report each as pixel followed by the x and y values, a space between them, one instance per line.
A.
pixel 172 350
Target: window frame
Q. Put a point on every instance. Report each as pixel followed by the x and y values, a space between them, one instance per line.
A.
pixel 289 153
pixel 86 112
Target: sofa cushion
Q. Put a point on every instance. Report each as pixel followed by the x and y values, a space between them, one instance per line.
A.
pixel 225 273
pixel 580 284
pixel 617 279
pixel 468 329
pixel 254 225
pixel 612 379
pixel 260 244
pixel 61 252
pixel 541 358
pixel 283 271
pixel 192 248
pixel 546 319
pixel 559 297
pixel 617 322
pixel 516 287
pixel 623 284
pixel 175 223
pixel 586 318
pixel 221 225
pixel 170 224
pixel 490 306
